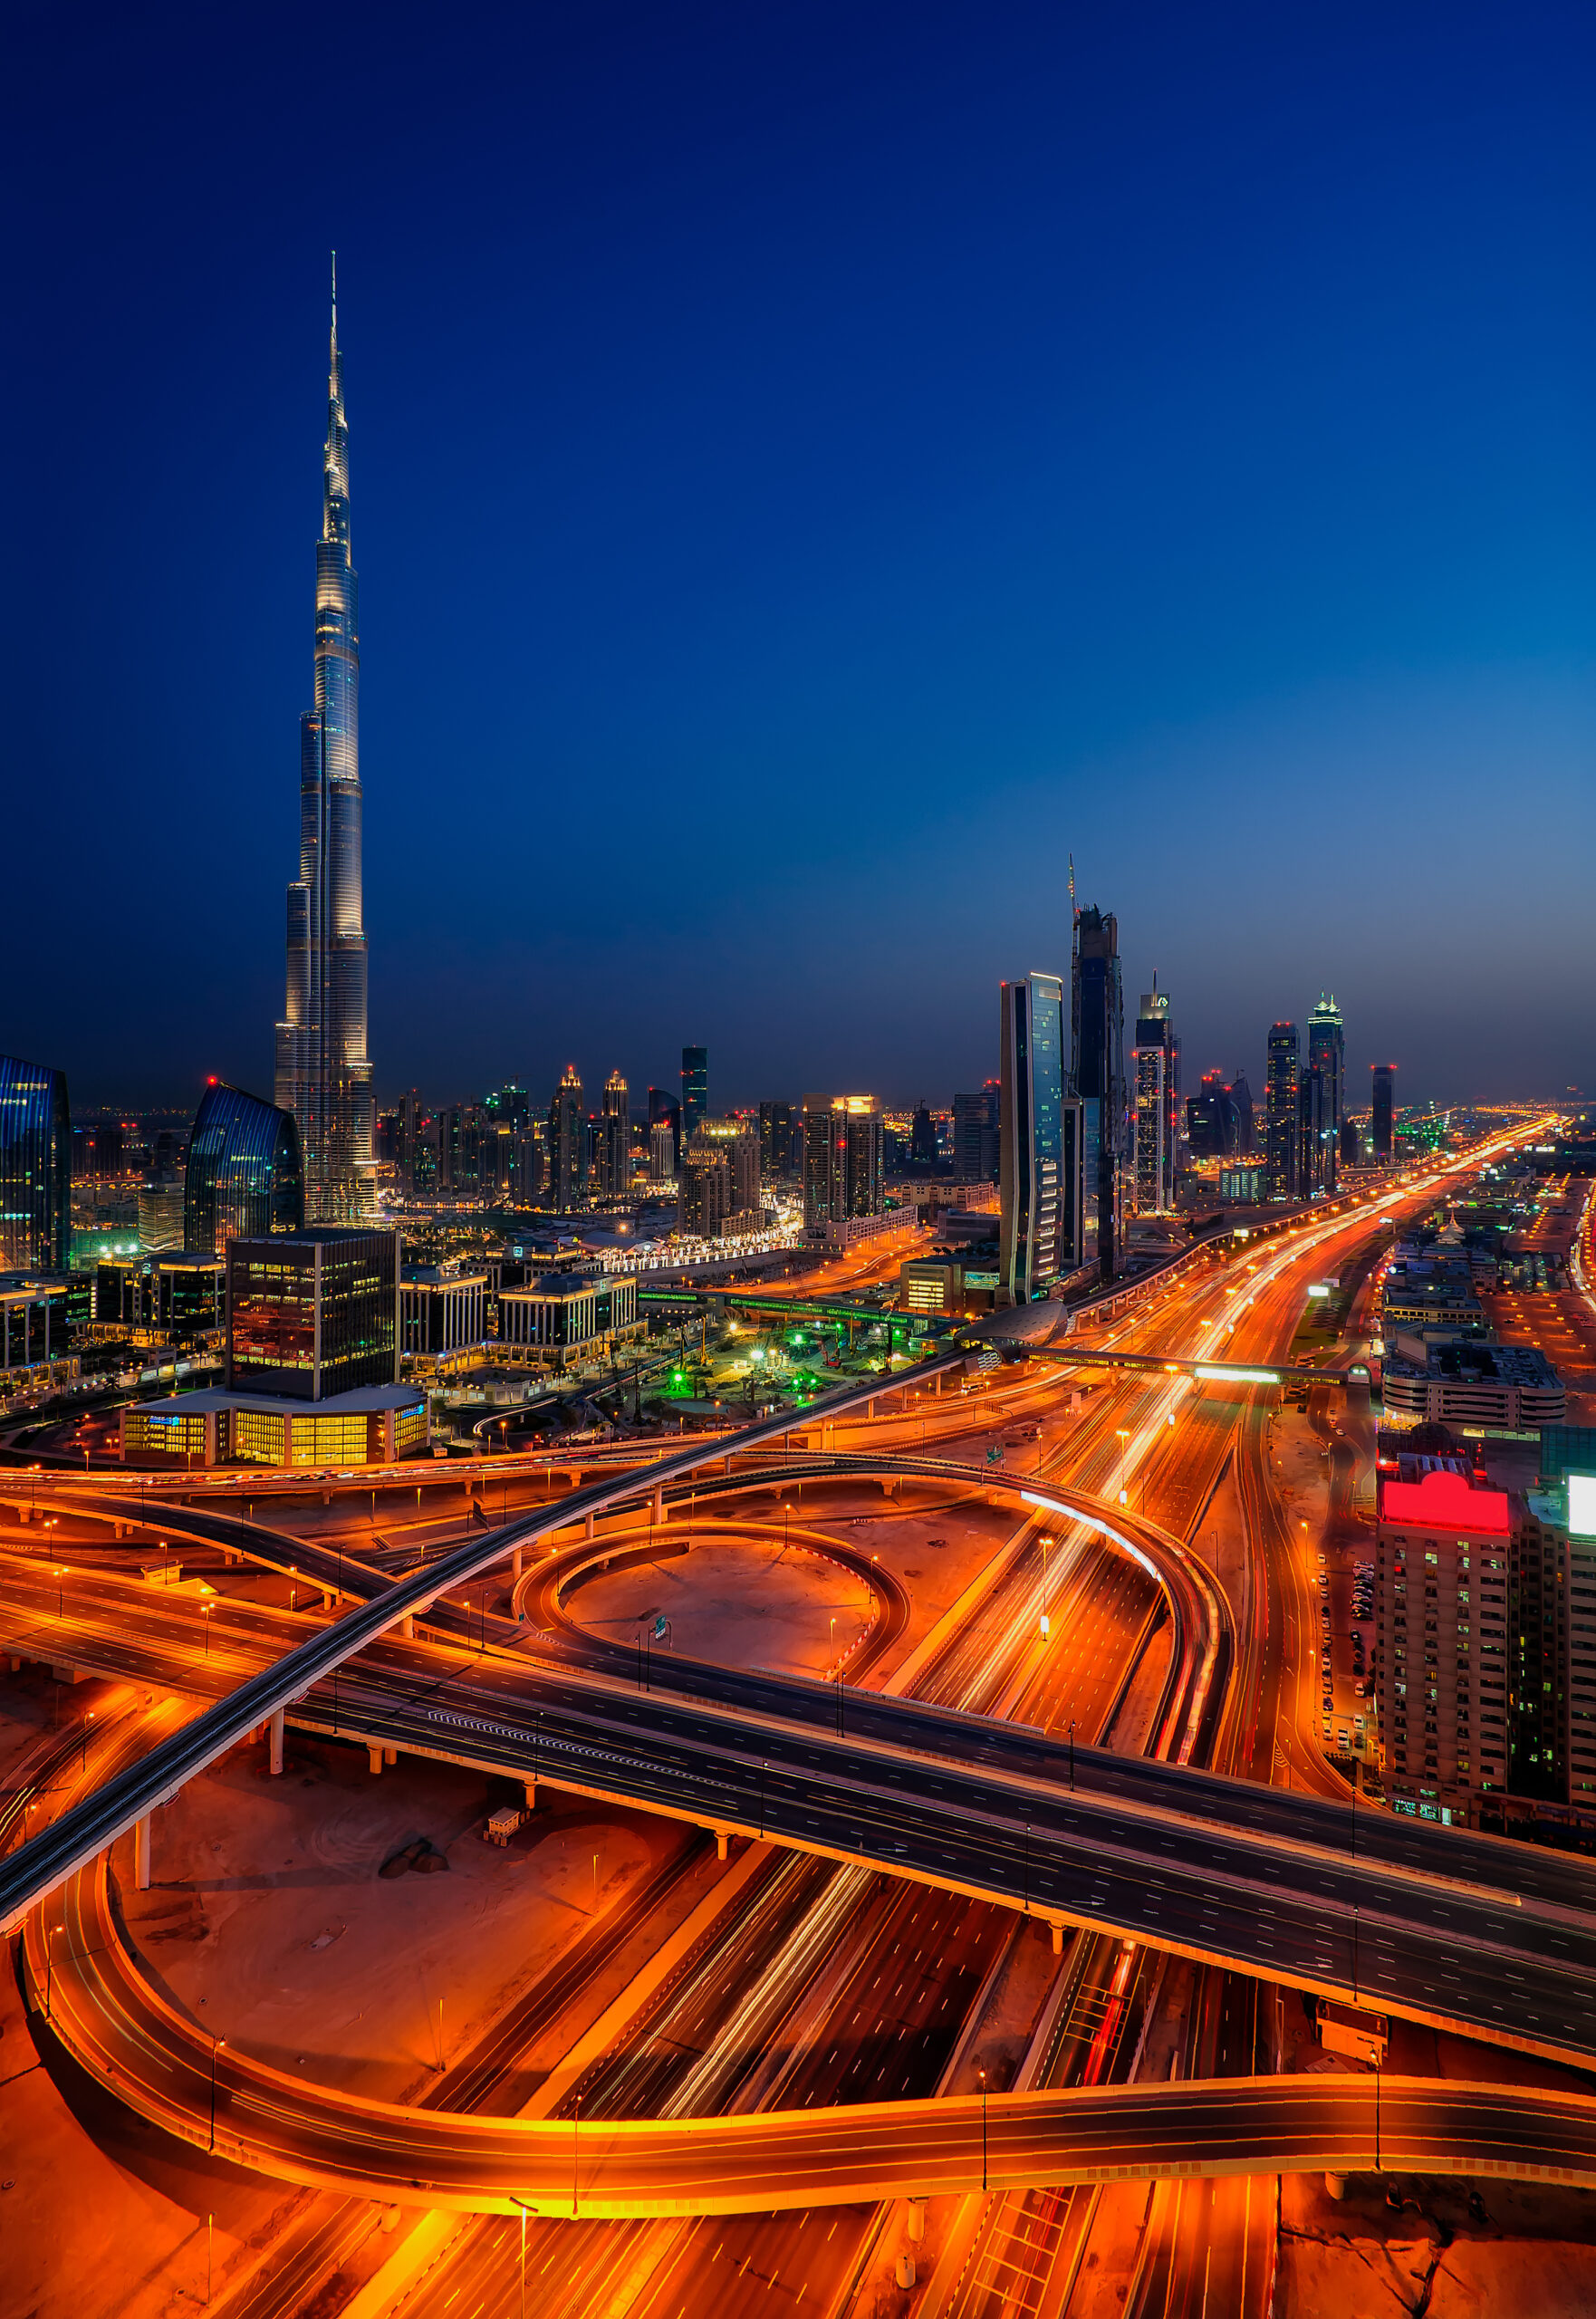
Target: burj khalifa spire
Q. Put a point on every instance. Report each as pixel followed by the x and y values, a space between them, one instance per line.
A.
pixel 323 1075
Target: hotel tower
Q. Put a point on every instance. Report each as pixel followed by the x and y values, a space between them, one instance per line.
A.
pixel 323 1073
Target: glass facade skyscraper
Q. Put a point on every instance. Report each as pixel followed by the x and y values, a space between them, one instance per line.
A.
pixel 695 1089
pixel 323 1074
pixel 1039 1173
pixel 1097 1029
pixel 35 1167
pixel 244 1177
pixel 1327 1049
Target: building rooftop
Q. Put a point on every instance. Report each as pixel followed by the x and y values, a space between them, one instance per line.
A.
pixel 566 1284
pixel 360 1402
pixel 1444 1499
pixel 1504 1365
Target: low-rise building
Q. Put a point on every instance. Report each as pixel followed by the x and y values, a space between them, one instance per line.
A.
pixel 565 1318
pixel 40 1318
pixel 178 1297
pixel 441 1310
pixel 375 1425
pixel 930 1285
pixel 1494 1388
pixel 1418 1295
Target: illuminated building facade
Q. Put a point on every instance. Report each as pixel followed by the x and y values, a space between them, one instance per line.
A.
pixel 313 1314
pixel 1039 1169
pixel 1154 1066
pixel 977 1156
pixel 244 1177
pixel 1282 1122
pixel 323 1074
pixel 1097 1031
pixel 780 1141
pixel 1327 1054
pixel 567 1146
pixel 695 1089
pixel 666 1110
pixel 719 1195
pixel 35 1167
pixel 614 1140
pixel 1441 1681
pixel 1383 1096
pixel 842 1160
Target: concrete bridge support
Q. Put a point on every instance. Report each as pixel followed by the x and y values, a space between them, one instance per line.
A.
pixel 141 1853
pixel 275 1730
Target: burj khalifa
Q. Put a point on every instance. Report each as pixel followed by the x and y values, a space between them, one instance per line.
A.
pixel 323 1073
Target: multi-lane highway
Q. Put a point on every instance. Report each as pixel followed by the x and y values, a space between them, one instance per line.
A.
pixel 1182 1456
pixel 121 2026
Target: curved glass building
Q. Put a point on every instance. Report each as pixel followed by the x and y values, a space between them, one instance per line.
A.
pixel 323 1074
pixel 35 1167
pixel 246 1176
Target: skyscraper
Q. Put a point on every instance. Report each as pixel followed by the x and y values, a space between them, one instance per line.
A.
pixel 1383 1094
pixel 1039 1174
pixel 977 1159
pixel 843 1159
pixel 243 1177
pixel 1282 1126
pixel 614 1140
pixel 666 1110
pixel 323 1075
pixel 1157 1097
pixel 1097 1028
pixel 568 1157
pixel 1327 1048
pixel 35 1167
pixel 780 1141
pixel 695 1089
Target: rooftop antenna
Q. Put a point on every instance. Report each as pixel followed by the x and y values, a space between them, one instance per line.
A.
pixel 1075 913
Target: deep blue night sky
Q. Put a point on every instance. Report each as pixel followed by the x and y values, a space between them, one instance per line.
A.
pixel 813 467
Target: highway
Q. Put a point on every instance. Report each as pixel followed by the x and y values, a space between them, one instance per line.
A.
pixel 1145 1455
pixel 770 2162
pixel 1456 1955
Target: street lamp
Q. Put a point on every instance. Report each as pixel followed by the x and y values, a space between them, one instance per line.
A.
pixel 982 2129
pixel 1122 1435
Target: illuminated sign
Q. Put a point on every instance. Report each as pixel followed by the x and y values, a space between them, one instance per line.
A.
pixel 1237 1376
pixel 1581 1505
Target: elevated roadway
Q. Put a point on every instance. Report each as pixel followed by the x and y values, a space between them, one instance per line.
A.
pixel 955 1802
pixel 118 2025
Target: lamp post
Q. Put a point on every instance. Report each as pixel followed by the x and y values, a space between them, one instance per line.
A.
pixel 1072 1754
pixel 1122 1435
pixel 982 2129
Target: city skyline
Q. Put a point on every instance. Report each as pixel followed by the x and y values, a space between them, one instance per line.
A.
pixel 927 567
pixel 907 1352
